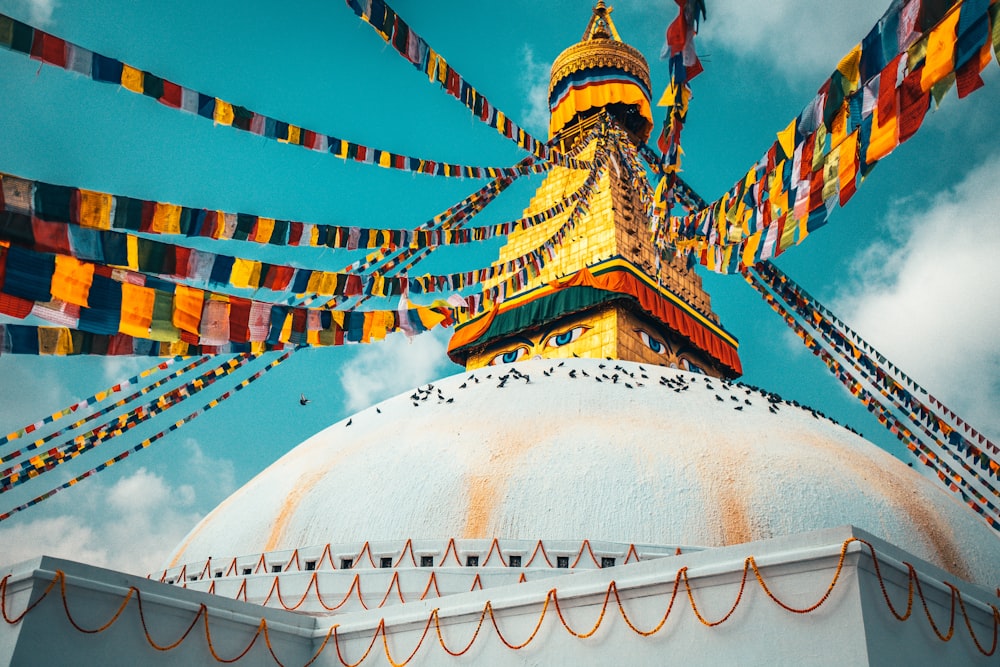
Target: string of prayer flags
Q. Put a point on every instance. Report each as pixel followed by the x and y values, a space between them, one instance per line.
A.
pixel 398 34
pixel 94 212
pixel 185 314
pixel 953 481
pixel 891 382
pixel 90 400
pixel 874 101
pixel 39 464
pixel 51 50
pixel 855 369
pixel 149 441
pixel 26 339
pixel 100 397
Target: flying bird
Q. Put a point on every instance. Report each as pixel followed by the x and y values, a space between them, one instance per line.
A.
pixel 303 400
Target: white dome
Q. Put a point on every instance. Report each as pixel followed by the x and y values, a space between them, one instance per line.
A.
pixel 561 457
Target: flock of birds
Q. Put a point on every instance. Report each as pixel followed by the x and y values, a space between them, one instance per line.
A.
pixel 733 394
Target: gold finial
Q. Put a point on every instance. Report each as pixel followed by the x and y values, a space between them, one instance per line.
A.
pixel 601 26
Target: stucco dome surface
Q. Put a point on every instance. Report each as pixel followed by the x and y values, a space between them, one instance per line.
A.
pixel 562 456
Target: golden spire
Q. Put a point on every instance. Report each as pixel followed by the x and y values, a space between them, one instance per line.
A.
pixel 602 292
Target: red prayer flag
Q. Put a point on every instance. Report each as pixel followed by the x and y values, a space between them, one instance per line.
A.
pixel 171 94
pixel 48 49
pixel 913 105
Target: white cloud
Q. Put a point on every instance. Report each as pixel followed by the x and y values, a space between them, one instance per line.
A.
pixel 130 524
pixel 798 38
pixel 393 366
pixel 535 80
pixel 40 11
pixel 929 298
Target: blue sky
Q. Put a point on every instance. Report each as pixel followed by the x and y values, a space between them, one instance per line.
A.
pixel 908 263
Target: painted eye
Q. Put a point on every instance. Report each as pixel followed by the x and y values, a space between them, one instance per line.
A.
pixel 566 337
pixel 652 343
pixel 510 356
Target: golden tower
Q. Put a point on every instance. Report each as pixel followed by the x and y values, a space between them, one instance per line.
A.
pixel 604 293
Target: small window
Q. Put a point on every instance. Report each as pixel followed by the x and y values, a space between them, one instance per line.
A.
pixel 514 561
pixel 310 565
pixel 472 561
pixel 346 563
pixel 218 575
pixel 247 571
pixel 385 562
pixel 427 561
pixel 562 561
pixel 170 581
pixel 193 577
pixel 275 569
pixel 607 562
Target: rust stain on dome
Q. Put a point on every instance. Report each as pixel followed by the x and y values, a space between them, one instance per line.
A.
pixel 904 499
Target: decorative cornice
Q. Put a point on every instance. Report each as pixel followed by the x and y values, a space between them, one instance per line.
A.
pixel 599 53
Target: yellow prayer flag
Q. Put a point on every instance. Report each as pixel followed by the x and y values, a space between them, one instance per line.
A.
pixel 430 318
pixel 55 340
pixel 243 272
pixel 286 329
pixel 167 219
pixel 849 66
pixel 669 97
pixel 132 78
pixel 384 159
pixel 137 310
pixel 265 227
pixel 995 18
pixel 188 303
pixel 223 112
pixel 884 137
pixel 940 60
pixel 132 246
pixel 831 174
pixel 71 280
pixel 95 210
pixel 819 147
pixel 786 139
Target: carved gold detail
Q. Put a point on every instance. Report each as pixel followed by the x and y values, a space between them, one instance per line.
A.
pixel 599 53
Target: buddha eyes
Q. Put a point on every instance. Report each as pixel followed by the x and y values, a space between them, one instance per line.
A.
pixel 566 337
pixel 652 343
pixel 510 356
pixel 555 340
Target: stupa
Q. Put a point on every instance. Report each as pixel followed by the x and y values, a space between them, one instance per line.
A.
pixel 595 488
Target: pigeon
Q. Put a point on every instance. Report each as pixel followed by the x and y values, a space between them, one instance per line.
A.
pixel 303 400
pixel 738 407
pixel 546 373
pixel 378 411
pixel 628 385
pixel 585 373
pixel 349 422
pixel 572 373
pixel 562 363
pixel 747 401
pixel 450 400
pixel 718 398
pixel 462 386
